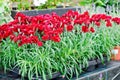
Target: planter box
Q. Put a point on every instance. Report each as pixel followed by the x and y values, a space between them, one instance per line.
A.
pixel 54 75
pixel 14 73
pixel 59 11
pixel 91 65
pixel 60 78
pixel 100 63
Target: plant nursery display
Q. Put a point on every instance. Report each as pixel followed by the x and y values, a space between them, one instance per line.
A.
pixel 4 12
pixel 49 45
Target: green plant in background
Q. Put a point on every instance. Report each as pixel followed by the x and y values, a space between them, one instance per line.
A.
pixel 5 11
pixel 22 4
pixel 49 4
pixel 102 3
pixel 55 3
pixel 27 4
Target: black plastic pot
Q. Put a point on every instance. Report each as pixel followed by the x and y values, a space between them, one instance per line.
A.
pixel 102 64
pixel 91 66
pixel 14 73
pixel 59 11
pixel 60 78
pixel 54 75
pixel 2 74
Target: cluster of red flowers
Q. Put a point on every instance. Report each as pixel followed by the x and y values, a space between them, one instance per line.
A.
pixel 38 29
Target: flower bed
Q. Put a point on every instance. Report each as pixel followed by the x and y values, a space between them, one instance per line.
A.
pixel 45 44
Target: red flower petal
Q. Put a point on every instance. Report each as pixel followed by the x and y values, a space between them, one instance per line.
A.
pixel 69 28
pixel 108 24
pixel 56 38
pixel 97 24
pixel 92 29
pixel 85 29
pixel 12 37
pixel 45 37
pixel 39 43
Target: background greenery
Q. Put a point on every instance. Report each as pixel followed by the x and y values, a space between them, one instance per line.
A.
pixel 4 12
pixel 26 4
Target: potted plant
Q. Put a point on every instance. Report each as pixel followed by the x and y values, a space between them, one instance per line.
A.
pixel 43 45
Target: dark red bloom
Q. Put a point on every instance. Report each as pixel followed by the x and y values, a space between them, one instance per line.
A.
pixel 34 39
pixel 20 44
pixel 116 20
pixel 45 37
pixel 56 38
pixel 108 24
pixel 97 24
pixel 59 30
pixel 12 37
pixel 27 30
pixel 78 21
pixel 39 43
pixel 15 39
pixel 86 13
pixel 92 29
pixel 108 18
pixel 69 27
pixel 40 27
pixel 85 29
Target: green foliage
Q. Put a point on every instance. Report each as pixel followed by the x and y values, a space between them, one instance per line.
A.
pixel 49 4
pixel 27 5
pixel 101 3
pixel 4 12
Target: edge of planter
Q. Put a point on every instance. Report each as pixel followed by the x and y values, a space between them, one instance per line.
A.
pixel 102 61
pixel 14 73
pixel 59 11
